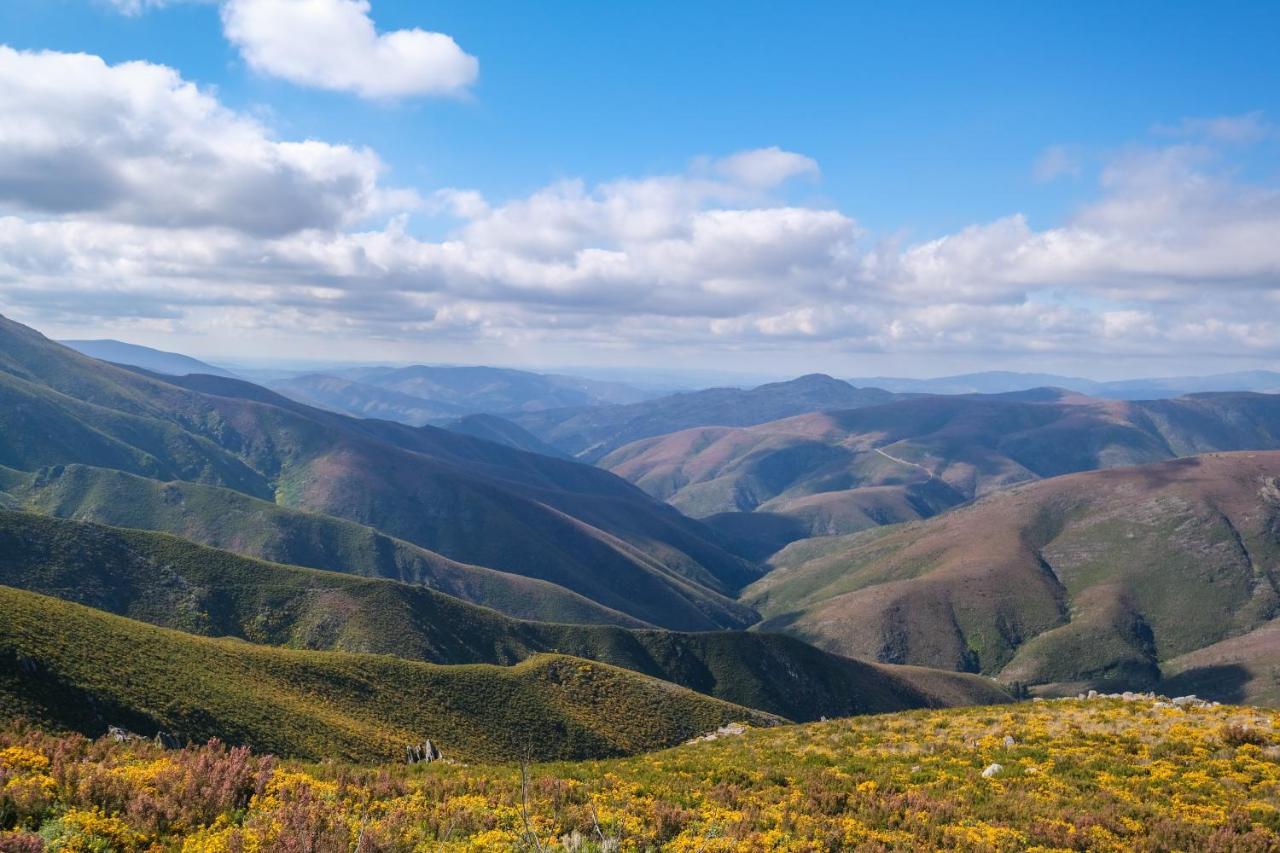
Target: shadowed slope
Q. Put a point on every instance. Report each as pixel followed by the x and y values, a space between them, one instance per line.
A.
pixel 235 522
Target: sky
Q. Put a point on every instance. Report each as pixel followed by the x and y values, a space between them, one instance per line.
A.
pixel 853 188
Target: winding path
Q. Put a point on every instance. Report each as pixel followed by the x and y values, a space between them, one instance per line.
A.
pixel 893 458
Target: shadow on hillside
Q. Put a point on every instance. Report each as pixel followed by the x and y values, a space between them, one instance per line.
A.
pixel 1221 682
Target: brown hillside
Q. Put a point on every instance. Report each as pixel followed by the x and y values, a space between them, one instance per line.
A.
pixel 1098 578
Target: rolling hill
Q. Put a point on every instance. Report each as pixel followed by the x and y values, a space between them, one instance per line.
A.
pixel 73 667
pixel 157 361
pixel 244 525
pixel 470 500
pixel 423 394
pixel 839 472
pixel 169 582
pixel 1107 578
pixel 364 401
pixel 591 433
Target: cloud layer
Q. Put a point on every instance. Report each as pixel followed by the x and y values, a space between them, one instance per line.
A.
pixel 129 196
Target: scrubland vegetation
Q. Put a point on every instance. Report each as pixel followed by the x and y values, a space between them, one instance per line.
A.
pixel 1096 774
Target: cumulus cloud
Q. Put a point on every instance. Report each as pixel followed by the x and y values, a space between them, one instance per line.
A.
pixel 134 197
pixel 136 143
pixel 333 44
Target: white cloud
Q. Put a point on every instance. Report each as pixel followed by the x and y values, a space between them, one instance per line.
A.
pixel 136 143
pixel 333 44
pixel 766 167
pixel 136 199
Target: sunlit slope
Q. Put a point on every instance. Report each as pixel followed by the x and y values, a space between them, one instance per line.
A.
pixel 170 582
pixel 1089 579
pixel 69 666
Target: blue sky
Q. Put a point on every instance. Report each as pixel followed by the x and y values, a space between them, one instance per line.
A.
pixel 923 120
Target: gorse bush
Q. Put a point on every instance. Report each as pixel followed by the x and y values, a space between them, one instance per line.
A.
pixel 1071 775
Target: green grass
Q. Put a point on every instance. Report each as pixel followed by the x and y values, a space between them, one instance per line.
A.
pixel 76 668
pixel 167 581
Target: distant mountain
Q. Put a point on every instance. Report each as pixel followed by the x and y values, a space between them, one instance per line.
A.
pixel 157 361
pixel 999 382
pixel 842 471
pixel 175 584
pixel 1108 579
pixel 362 400
pixel 472 501
pixel 73 667
pixel 422 394
pixel 591 433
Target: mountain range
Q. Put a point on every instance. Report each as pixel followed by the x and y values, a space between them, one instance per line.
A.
pixel 590 433
pixel 470 500
pixel 371 625
pixel 1156 388
pixel 185 551
pixel 836 472
pixel 422 394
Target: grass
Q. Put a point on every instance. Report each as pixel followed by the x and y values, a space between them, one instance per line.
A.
pixel 173 583
pixel 81 669
pixel 1073 775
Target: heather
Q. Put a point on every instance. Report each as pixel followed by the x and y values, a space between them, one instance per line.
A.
pixel 1100 774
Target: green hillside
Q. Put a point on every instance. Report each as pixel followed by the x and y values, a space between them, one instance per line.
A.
pixel 73 667
pixel 232 521
pixel 1108 579
pixel 167 581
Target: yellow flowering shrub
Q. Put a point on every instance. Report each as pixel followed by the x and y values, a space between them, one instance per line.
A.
pixel 1060 775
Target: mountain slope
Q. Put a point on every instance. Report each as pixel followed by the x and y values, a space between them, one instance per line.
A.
pixel 591 433
pixel 235 522
pixel 502 431
pixel 74 667
pixel 840 472
pixel 470 500
pixel 157 361
pixel 1089 579
pixel 172 583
